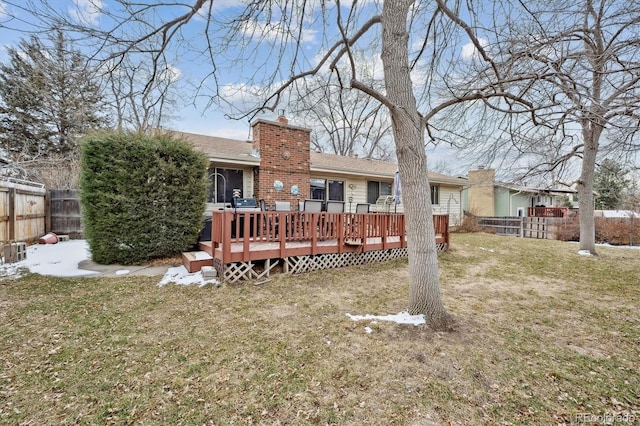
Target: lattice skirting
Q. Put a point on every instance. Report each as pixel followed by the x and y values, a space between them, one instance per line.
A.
pixel 237 271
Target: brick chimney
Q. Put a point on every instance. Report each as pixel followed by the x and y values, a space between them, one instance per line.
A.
pixel 285 157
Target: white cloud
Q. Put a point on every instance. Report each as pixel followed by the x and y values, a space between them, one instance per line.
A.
pixel 275 31
pixel 469 50
pixel 86 11
pixel 3 10
pixel 170 74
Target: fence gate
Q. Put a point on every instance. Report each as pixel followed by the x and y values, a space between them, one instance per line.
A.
pixel 535 227
pixel 64 216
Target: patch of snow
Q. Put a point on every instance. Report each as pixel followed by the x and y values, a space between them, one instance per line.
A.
pixel 202 255
pixel 584 252
pixel 62 259
pixel 400 318
pixel 484 249
pixel 179 275
pixel 625 247
pixel 368 330
pixel 58 260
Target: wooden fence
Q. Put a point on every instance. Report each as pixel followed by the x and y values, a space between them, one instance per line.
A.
pixel 22 211
pixel 527 227
pixel 506 225
pixel 28 211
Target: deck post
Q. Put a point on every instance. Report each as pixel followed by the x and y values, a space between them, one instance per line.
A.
pixel 282 234
pixel 340 230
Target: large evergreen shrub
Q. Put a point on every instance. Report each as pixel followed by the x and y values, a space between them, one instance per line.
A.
pixel 142 196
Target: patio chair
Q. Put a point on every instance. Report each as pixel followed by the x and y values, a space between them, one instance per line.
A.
pixel 312 206
pixel 362 208
pixel 283 206
pixel 335 206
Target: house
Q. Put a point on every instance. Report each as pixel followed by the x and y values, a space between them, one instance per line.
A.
pixel 279 165
pixel 278 169
pixel 484 196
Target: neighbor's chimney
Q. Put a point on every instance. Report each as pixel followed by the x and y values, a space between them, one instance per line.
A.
pixel 481 195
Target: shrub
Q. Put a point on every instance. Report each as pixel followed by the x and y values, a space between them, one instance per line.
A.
pixel 142 196
pixel 469 224
pixel 617 231
pixel 569 230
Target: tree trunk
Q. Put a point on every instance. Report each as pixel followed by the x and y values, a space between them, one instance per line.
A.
pixel 591 134
pixel 408 131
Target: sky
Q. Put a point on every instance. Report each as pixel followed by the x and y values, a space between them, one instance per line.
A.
pixel 190 64
pixel 242 73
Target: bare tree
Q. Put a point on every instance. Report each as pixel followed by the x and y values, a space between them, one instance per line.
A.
pixel 577 64
pixel 345 122
pixel 140 99
pixel 416 41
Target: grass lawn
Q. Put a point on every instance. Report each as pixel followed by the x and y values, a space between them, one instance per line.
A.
pixel 543 336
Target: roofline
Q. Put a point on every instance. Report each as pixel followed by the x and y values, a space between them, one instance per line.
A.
pixel 277 123
pixel 535 190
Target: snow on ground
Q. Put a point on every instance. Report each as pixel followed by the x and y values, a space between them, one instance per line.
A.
pixel 180 275
pixel 401 318
pixel 58 260
pixel 62 259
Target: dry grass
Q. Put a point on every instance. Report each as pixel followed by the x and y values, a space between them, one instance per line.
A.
pixel 544 334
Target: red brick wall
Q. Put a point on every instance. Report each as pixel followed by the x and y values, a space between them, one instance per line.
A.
pixel 284 156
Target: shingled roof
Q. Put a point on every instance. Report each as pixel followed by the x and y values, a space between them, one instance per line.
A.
pixel 241 152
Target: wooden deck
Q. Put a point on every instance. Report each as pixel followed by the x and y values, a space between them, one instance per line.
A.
pixel 547 212
pixel 240 239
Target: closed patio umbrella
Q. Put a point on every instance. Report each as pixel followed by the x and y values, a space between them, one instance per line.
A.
pixel 397 190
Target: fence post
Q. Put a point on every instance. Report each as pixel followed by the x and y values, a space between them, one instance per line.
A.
pixel 47 211
pixel 521 227
pixel 12 214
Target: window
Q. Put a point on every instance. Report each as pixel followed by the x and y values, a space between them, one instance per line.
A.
pixel 376 190
pixel 221 188
pixel 435 194
pixel 336 190
pixel 319 188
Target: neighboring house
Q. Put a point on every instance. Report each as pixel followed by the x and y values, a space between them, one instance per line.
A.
pixel 279 165
pixel 484 196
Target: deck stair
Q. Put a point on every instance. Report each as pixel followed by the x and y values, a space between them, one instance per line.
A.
pixel 195 260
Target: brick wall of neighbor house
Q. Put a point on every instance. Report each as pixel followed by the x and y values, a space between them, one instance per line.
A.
pixel 284 156
pixel 481 194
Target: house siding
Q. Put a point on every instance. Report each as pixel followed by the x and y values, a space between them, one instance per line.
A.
pixel 508 201
pixel 450 203
pixel 282 152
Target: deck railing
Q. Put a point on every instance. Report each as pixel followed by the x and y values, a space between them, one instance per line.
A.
pixel 368 231
pixel 547 212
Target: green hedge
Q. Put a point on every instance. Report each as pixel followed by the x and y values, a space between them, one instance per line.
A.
pixel 142 196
